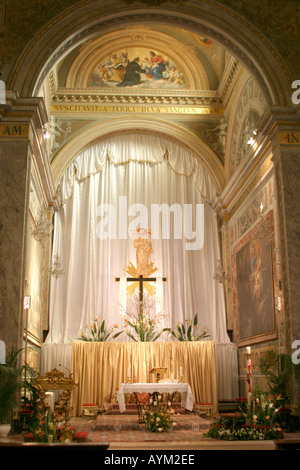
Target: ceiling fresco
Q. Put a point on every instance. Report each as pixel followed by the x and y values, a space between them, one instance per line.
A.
pixel 139 68
pixel 144 57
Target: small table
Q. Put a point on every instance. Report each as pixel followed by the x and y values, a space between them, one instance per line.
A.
pixel 187 400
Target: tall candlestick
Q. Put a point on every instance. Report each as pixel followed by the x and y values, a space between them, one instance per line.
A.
pixel 249 379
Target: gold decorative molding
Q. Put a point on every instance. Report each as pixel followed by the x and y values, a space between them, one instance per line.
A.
pixel 246 186
pixel 263 170
pixel 14 131
pixel 54 380
pixel 188 97
pixel 289 138
pixel 230 78
pixel 135 109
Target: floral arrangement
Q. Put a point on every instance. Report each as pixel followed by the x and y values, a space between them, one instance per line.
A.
pixel 158 416
pixel 258 423
pixel 189 333
pixel 99 332
pixel 140 324
pixel 234 431
pixel 43 428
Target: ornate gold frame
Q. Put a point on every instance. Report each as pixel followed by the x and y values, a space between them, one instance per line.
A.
pixel 55 380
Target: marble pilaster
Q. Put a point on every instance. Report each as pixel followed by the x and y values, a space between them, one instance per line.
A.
pixel 15 169
pixel 287 164
pixel 22 159
pixel 286 144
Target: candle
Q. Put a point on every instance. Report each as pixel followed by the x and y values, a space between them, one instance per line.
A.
pixel 181 374
pixel 249 378
pixel 128 372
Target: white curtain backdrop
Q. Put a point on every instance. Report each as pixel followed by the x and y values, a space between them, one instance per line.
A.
pixel 144 170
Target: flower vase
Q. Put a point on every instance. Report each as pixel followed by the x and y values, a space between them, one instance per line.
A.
pixel 5 430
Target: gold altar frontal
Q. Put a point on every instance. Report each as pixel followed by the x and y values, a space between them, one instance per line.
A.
pixel 100 368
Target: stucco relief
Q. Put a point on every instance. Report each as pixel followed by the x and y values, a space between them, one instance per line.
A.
pixel 249 109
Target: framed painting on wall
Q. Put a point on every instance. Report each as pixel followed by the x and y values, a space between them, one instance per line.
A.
pixel 34 275
pixel 254 287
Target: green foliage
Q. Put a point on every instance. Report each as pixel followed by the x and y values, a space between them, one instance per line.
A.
pixel 140 324
pixel 144 328
pixel 43 428
pixel 10 383
pixel 33 400
pixel 260 422
pixel 190 332
pixel 12 357
pixel 278 369
pixel 99 332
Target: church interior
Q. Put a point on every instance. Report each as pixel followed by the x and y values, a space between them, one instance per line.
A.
pixel 149 222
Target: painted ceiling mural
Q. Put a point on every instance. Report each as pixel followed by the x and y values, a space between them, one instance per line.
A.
pixel 144 57
pixel 138 67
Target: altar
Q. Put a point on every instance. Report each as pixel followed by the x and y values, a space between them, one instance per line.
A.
pixel 184 389
pixel 100 368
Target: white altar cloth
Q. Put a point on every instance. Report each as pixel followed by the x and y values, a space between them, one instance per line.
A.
pixel 187 400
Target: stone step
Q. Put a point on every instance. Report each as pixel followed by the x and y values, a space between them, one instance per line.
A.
pixel 118 423
pixel 131 408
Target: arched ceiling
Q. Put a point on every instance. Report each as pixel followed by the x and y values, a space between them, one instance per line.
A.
pixel 197 62
pixel 184 93
pixel 185 85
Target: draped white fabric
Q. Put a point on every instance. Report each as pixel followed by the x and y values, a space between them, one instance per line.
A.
pixel 122 171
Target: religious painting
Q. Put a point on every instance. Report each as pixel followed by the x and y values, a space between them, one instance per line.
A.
pixel 138 67
pixel 34 284
pixel 34 273
pixel 254 288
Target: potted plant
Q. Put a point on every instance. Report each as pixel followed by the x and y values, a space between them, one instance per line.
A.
pixel 190 332
pixel 142 323
pixel 10 383
pixel 99 332
pixel 278 369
